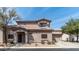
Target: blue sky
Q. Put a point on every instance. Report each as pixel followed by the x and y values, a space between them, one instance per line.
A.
pixel 58 15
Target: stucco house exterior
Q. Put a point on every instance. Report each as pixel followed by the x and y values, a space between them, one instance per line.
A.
pixel 38 31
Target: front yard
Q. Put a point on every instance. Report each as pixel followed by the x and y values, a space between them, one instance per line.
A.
pixel 59 44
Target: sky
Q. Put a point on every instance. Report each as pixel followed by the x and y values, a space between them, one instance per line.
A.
pixel 58 15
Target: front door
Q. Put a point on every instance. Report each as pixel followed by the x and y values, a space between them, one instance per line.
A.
pixel 21 37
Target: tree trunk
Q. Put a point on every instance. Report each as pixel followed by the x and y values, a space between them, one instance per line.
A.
pixel 5 35
pixel 77 35
pixel 70 39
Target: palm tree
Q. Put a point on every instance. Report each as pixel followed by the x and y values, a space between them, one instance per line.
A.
pixel 6 15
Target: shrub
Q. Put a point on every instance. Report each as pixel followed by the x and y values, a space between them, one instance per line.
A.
pixel 42 42
pixel 36 44
pixel 49 43
pixel 53 42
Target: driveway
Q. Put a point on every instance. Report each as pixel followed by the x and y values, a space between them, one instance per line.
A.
pixel 62 44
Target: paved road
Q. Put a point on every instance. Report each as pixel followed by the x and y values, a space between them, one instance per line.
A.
pixel 40 49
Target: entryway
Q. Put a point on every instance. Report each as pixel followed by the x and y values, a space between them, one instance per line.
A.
pixel 20 37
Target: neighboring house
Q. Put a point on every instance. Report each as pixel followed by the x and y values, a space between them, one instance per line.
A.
pixel 65 37
pixel 71 38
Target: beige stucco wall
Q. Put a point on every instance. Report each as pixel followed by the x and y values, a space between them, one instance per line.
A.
pixel 37 37
pixel 1 36
pixel 58 38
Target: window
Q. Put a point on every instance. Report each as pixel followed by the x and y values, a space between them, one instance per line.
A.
pixel 43 24
pixel 10 36
pixel 44 36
